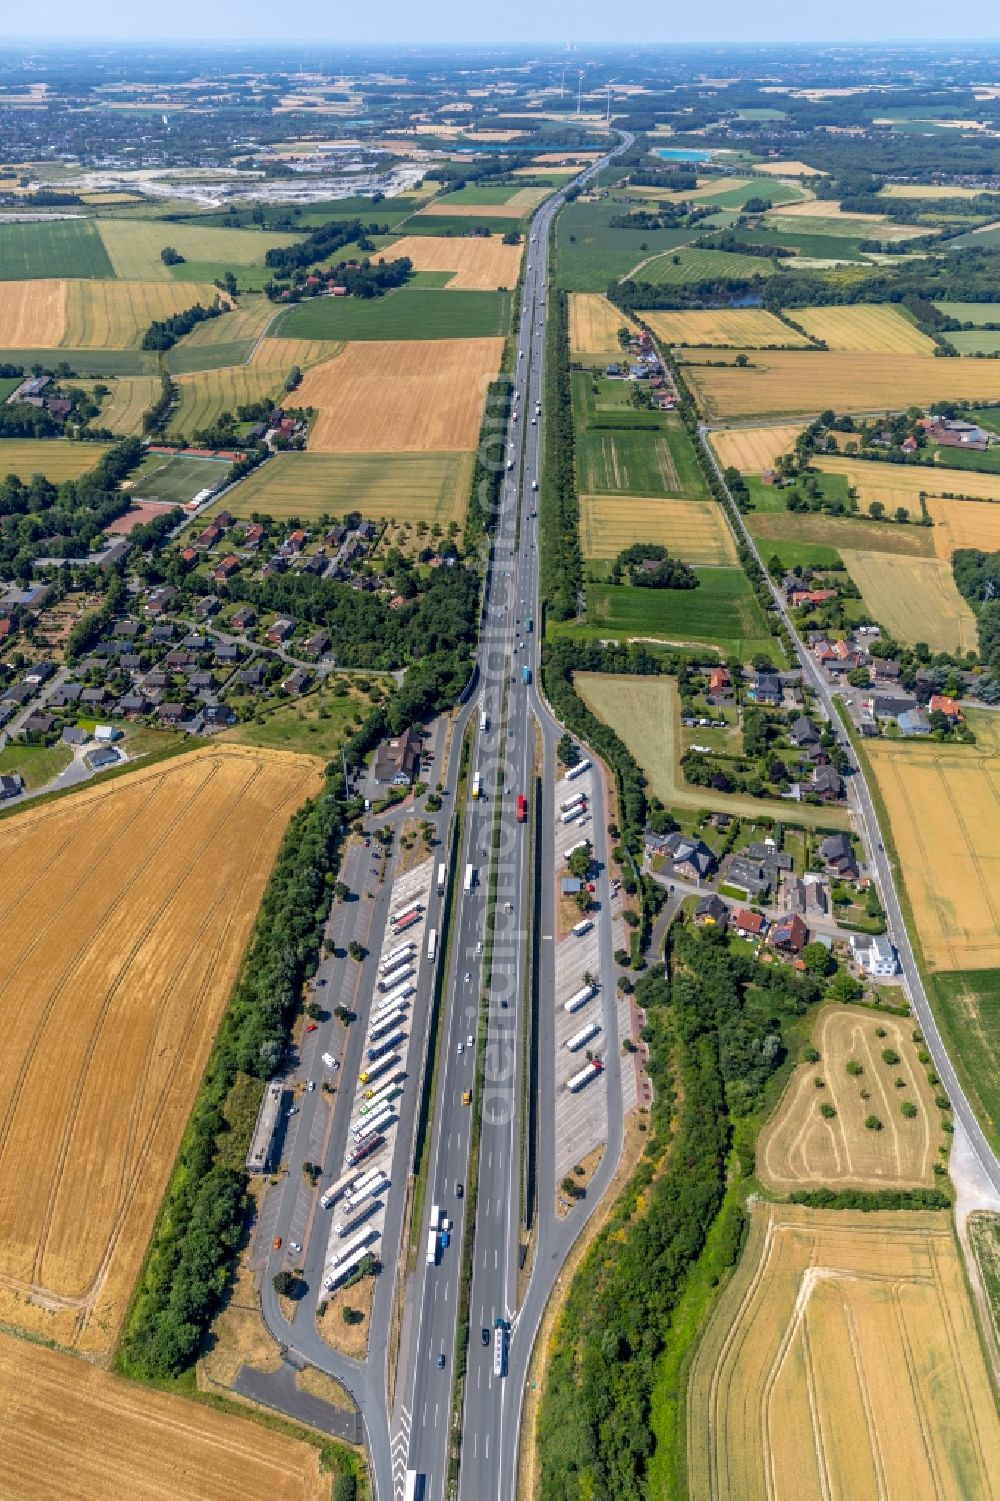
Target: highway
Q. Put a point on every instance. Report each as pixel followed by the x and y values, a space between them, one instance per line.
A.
pixel 860 798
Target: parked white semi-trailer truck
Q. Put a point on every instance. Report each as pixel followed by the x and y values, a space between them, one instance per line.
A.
pixel 577 770
pixel 393 957
pixel 581 1038
pixel 402 970
pixel 357 1218
pixel 592 1069
pixel 432 1247
pixel 581 998
pixel 344 1268
pixel 573 802
pixel 440 880
pixel 336 1189
pixel 574 812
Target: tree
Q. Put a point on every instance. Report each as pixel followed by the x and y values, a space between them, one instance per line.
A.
pixel 872 1123
pixel 345 1488
pixel 890 1056
pixel 818 960
pixel 908 1109
pixel 854 1068
pixel 571 1188
pixel 341 891
pixel 171 257
pixel 827 1111
pixel 285 1284
pixel 356 950
pixel 901 515
pixel 876 510
pixel 567 751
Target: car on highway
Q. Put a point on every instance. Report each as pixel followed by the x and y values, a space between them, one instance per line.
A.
pixel 445 1239
pixel 484 1337
pixel 461 1048
pixel 466 1096
pixel 311 1085
pixel 293 1245
pixel 468 1042
pixel 292 1110
pixel 277 1242
pixel 440 1361
pixel 468 977
pixel 459 1190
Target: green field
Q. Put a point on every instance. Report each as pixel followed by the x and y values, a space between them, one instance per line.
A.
pixel 57 458
pixel 685 266
pixel 832 487
pixel 432 487
pixel 483 192
pixel 591 254
pixel 818 247
pixel 970 312
pixel 759 187
pixel 7 384
pixel 134 246
pixel 317 724
pixel 175 478
pixel 248 278
pixel 52 247
pixel 988 417
pixel 610 407
pixel 405 314
pixel 975 340
pixel 186 359
pixel 460 224
pixel 722 610
pixel 800 554
pixel 332 210
pixel 617 462
pixel 987 462
pixel 967 1010
pixel 771 527
pixel 35 764
pixel 85 361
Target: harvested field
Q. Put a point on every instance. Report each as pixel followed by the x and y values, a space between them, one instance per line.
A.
pixel 927 190
pixel 203 398
pixel 694 530
pixel 754 449
pixel 431 487
pixel 71 1429
pixel 943 803
pixel 134 246
pixel 388 396
pixel 787 169
pixel 479 265
pixel 33 314
pixel 733 328
pixel 224 341
pixel 116 314
pixel 963 523
pixel 864 328
pixel 915 598
pixel 521 203
pixel 843 1361
pixel 593 328
pixel 131 397
pixel 841 532
pixel 56 458
pixel 646 714
pixel 282 354
pixel 127 910
pixel 799 1149
pixel 902 485
pixel 787 381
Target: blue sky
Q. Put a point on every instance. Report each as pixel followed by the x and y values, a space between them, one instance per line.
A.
pixel 393 21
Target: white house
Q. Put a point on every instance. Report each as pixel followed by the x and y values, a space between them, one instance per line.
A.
pixel 875 955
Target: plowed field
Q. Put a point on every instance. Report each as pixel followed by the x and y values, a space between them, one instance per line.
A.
pixel 126 911
pixel 387 396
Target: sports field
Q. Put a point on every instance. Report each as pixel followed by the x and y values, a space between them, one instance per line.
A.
pixel 789 381
pixel 734 328
pixel 843 1361
pixel 646 713
pixel 901 485
pixel 131 396
pixel 801 1149
pixel 56 458
pixel 864 328
pixel 177 478
pixel 431 487
pixel 916 599
pixel 593 328
pixel 389 397
pixel 840 532
pixel 90 314
pixel 754 449
pixel 52 247
pixel 943 803
pixel 610 461
pixel 126 911
pixel 478 265
pixel 134 246
pixel 204 397
pixel 409 313
pixel 963 523
pixel 71 1429
pixel 694 530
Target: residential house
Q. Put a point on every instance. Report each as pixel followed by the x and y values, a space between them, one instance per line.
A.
pixel 102 758
pixel 11 785
pixel 295 541
pixel 940 703
pixel 712 912
pixel 805 894
pixel 397 761
pixel 747 924
pixel 39 673
pixel 914 722
pixel 827 783
pixel 789 934
pixel 218 717
pixel 280 631
pixel 162 634
pixel 804 733
pixel 244 617
pixel 226 653
pixel 94 696
pixel 174 714
pixel 316 645
pixel 227 568
pixel 134 705
pixel 254 537
pixel 128 629
pixel 73 735
pixel 691 859
pixel 719 685
pixel 888 705
pixel 254 676
pixel 38 723
pixel 161 600
pixel 299 681
pixel 765 688
pixel 800 597
pixel 188 555
pixel 837 852
pixel 66 695
pixel 874 954
pixel 752 876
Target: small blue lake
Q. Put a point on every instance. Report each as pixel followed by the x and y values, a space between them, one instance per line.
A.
pixel 677 154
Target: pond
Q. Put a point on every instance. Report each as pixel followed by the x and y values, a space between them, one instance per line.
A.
pixel 676 154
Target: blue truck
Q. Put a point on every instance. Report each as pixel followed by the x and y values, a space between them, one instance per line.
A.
pixel 525 674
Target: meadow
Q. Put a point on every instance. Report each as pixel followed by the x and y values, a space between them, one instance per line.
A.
pixel 645 712
pixel 801 1149
pixel 408 313
pixel 694 530
pixel 963 523
pixel 970 312
pixel 475 265
pixel 392 397
pixel 223 341
pixel 177 478
pixel 790 382
pixel 770 528
pixel 902 485
pixel 754 449
pixel 56 458
pixel 865 328
pixel 593 329
pixel 480 201
pixel 843 1360
pixel 721 611
pixel 86 363
pixel 615 461
pixel 203 398
pixel 967 1011
pixel 678 267
pixel 73 1429
pixel 733 328
pixel 975 340
pixel 431 487
pixel 916 599
pixel 134 246
pixel 806 239
pixel 592 254
pixel 127 910
pixel 52 247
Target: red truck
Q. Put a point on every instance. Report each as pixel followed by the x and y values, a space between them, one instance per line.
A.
pixel 522 808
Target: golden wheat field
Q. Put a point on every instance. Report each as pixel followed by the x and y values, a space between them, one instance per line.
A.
pixel 963 523
pixel 33 314
pixel 734 328
pixel 126 911
pixel 131 397
pixel 754 449
pixel 56 458
pixel 246 321
pixel 916 599
pixel 593 327
pixel 902 485
pixel 800 1149
pixel 864 328
pixel 134 246
pixel 479 265
pixel 73 1430
pixel 788 381
pixel 787 169
pixel 694 530
pixel 116 314
pixel 927 190
pixel 843 1360
pixel 282 354
pixel 389 396
pixel 943 803
pixel 203 397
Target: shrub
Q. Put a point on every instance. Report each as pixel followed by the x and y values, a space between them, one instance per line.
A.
pixel 890 1056
pixel 827 1111
pixel 854 1068
pixel 872 1123
pixel 908 1110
